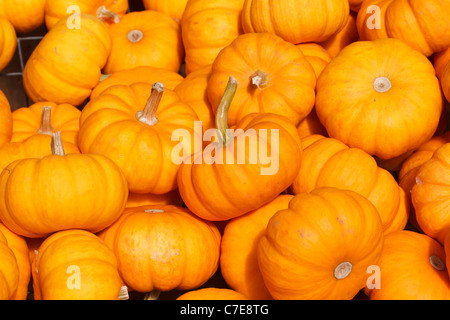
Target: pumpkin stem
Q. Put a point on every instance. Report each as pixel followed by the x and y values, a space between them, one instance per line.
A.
pixel 135 35
pixel 382 84
pixel 437 263
pixel 56 144
pixel 222 110
pixel 342 270
pixel 259 79
pixel 46 123
pixel 105 14
pixel 148 115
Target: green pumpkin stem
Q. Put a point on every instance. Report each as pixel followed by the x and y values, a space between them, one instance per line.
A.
pixel 222 110
pixel 148 115
pixel 57 145
pixel 46 122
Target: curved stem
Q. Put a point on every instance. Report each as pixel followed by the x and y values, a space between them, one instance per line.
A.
pixel 222 110
pixel 105 14
pixel 46 121
pixel 148 115
pixel 57 145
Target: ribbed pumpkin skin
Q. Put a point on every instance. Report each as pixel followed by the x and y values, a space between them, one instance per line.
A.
pixel 207 27
pixel 24 15
pixel 316 55
pixel 61 192
pixel 430 193
pixel 296 21
pixel 399 281
pixel 173 9
pixel 9 270
pixel 445 82
pixel 343 38
pixel 51 75
pixel 65 253
pixel 8 42
pixel 238 260
pixel 327 162
pixel 223 294
pixel 163 248
pixel 289 87
pixel 306 248
pixel 6 123
pixel 394 97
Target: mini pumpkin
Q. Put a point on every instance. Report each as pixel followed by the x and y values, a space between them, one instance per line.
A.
pixel 440 61
pixel 24 15
pixel 445 81
pixel 9 270
pixel 8 42
pixel 61 191
pixel 311 125
pixel 368 109
pixel 321 246
pixel 212 293
pixel 6 123
pixel 142 199
pixel 75 265
pixel 274 77
pixel 163 247
pixel 316 55
pixel 135 42
pixel 343 38
pixel 173 9
pixel 51 75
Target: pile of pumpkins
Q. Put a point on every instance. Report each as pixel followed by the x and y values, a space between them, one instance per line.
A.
pixel 353 94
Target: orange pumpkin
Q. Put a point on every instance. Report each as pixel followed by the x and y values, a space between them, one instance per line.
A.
pixel 133 126
pixel 51 75
pixel 173 9
pixel 274 77
pixel 24 15
pixel 163 248
pixel 61 191
pixel 427 280
pixel 6 123
pixel 75 265
pixel 316 55
pixel 238 260
pixel 109 11
pixel 321 246
pixel 445 81
pixel 212 293
pixel 8 42
pixel 368 109
pixel 343 38
pixel 46 118
pixel 429 194
pixel 207 27
pixel 19 247
pixel 143 199
pixel 296 21
pixel 139 74
pixel 230 177
pixel 327 162
pixel 422 24
pixel 9 270
pixel 192 91
pixel 135 42
pixel 447 252
pixel 311 125
pixel 440 61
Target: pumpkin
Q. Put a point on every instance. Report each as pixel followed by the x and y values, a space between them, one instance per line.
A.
pixel 46 118
pixel 212 293
pixel 9 270
pixel 51 75
pixel 343 38
pixel 133 126
pixel 135 42
pixel 445 81
pixel 61 191
pixel 207 27
pixel 274 77
pixel 296 21
pixel 24 15
pixel 422 24
pixel 429 194
pixel 8 42
pixel 109 11
pixel 440 61
pixel 321 246
pixel 229 177
pixel 19 247
pixel 6 123
pixel 173 9
pixel 447 252
pixel 145 74
pixel 238 260
pixel 327 162
pixel 427 280
pixel 311 125
pixel 409 168
pixel 192 91
pixel 316 55
pixel 142 199
pixel 75 265
pixel 391 106
pixel 163 247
